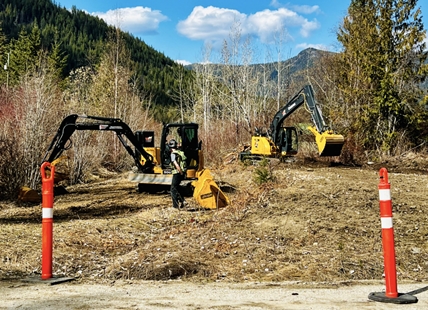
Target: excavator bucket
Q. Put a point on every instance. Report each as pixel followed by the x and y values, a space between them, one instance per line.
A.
pixel 329 144
pixel 27 194
pixel 207 193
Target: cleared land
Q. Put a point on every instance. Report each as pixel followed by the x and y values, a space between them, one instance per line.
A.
pixel 315 223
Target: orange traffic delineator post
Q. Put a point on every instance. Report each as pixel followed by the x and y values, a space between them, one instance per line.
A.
pixel 390 295
pixel 47 226
pixel 47 219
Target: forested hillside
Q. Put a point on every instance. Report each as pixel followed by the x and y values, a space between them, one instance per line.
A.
pixel 81 39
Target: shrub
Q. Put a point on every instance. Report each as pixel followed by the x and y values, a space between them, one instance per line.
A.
pixel 263 172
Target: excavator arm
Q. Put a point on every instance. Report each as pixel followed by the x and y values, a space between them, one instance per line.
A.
pixel 329 144
pixel 282 114
pixel 153 172
pixel 70 124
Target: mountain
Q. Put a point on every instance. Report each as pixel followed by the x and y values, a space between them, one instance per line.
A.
pixel 293 68
pixel 83 39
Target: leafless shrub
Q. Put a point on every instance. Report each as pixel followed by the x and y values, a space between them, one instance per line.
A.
pixel 219 143
pixel 10 181
pixel 27 118
pixel 37 105
pixel 102 93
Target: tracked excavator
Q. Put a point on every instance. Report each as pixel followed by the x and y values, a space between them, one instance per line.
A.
pixel 281 142
pixel 153 163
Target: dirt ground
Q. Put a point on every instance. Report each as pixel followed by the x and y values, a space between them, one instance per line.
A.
pixel 176 294
pixel 313 230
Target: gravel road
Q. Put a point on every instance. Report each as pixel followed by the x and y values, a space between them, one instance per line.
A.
pixel 185 295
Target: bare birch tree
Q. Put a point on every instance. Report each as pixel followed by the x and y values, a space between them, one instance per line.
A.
pixel 240 97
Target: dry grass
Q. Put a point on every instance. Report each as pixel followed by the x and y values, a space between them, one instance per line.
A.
pixel 314 223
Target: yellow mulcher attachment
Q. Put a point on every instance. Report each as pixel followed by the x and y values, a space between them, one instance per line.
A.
pixel 329 144
pixel 281 141
pixel 207 193
pixel 27 194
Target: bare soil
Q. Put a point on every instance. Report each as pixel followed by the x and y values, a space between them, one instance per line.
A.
pixel 316 222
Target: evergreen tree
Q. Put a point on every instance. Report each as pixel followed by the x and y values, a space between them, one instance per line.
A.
pixel 382 68
pixel 3 58
pixel 57 60
pixel 24 53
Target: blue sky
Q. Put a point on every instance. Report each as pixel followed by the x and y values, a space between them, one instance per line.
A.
pixel 181 28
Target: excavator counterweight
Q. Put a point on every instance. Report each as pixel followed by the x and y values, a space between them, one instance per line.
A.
pixel 282 141
pixel 152 162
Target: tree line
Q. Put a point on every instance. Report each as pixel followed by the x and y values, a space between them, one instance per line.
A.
pixel 82 38
pixel 376 81
pixel 370 91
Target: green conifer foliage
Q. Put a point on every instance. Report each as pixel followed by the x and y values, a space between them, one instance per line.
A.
pixel 4 50
pixel 382 67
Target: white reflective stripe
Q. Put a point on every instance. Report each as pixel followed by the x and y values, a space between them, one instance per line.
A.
pixel 47 213
pixel 386 222
pixel 384 194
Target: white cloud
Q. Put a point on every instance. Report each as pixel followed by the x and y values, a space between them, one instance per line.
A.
pixel 136 20
pixel 183 62
pixel 214 24
pixel 266 23
pixel 308 27
pixel 303 9
pixel 306 9
pixel 209 23
pixel 322 47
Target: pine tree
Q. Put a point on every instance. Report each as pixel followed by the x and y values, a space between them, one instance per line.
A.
pixel 57 60
pixel 24 53
pixel 3 58
pixel 382 68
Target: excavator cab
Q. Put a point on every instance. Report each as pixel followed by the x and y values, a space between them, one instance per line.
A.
pixel 186 135
pixel 283 141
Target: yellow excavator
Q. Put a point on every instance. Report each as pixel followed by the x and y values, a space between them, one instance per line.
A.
pixel 282 142
pixel 153 163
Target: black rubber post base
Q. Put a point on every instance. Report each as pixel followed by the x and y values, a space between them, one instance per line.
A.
pixel 51 281
pixel 400 299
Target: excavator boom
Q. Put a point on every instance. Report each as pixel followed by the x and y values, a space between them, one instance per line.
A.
pixel 329 143
pixel 282 141
pixel 154 170
pixel 69 125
